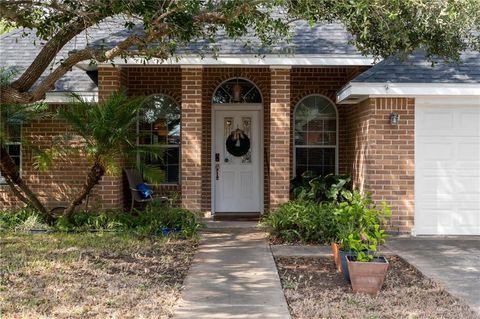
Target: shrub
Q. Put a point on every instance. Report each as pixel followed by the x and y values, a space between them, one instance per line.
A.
pixel 332 188
pixel 153 221
pixel 9 220
pixel 360 225
pixel 302 221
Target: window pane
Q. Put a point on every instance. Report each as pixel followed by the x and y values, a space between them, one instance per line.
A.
pixel 14 149
pixel 169 163
pixel 160 125
pixel 319 160
pixel 315 122
pixel 160 122
pixel 315 127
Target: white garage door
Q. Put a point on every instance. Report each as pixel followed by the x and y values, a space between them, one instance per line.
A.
pixel 447 166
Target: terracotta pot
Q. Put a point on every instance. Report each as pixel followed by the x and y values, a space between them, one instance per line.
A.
pixel 336 257
pixel 367 277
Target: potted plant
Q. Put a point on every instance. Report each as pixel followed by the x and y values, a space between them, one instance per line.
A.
pixel 367 270
pixel 357 215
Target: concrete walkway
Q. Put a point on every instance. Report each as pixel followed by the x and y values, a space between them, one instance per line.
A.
pixel 452 261
pixel 233 276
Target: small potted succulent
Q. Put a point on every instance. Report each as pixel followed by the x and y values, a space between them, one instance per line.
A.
pixel 367 270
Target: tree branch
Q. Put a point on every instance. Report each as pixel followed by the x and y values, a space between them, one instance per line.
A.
pixel 49 52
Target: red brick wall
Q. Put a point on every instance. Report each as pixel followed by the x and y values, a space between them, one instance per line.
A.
pixel 62 181
pixel 381 156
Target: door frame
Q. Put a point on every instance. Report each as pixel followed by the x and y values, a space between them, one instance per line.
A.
pixel 237 107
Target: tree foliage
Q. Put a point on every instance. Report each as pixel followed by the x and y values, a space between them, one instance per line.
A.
pixel 158 27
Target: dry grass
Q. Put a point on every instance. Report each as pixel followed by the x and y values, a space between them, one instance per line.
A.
pixel 314 290
pixel 99 275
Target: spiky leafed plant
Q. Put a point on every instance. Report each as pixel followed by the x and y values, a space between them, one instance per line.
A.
pixel 12 116
pixel 107 130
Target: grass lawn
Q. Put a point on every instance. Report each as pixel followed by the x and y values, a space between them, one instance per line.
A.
pixel 91 275
pixel 314 290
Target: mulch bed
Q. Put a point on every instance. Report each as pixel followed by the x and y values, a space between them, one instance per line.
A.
pixel 314 289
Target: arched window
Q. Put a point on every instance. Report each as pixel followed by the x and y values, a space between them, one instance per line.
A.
pixel 315 136
pixel 237 91
pixel 159 124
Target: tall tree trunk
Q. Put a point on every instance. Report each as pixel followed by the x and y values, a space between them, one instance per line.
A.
pixel 10 172
pixel 96 173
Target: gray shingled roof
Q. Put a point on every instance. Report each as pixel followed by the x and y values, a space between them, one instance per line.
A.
pixel 19 51
pixel 417 69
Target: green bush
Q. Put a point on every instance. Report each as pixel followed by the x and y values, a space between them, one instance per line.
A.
pixel 360 225
pixel 9 220
pixel 302 221
pixel 331 188
pixel 353 219
pixel 157 219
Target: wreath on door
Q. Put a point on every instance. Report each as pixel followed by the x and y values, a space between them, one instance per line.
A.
pixel 238 143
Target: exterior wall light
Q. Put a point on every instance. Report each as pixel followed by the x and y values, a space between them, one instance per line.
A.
pixel 394 118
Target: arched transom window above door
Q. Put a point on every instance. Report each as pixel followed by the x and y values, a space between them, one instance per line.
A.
pixel 237 91
pixel 315 136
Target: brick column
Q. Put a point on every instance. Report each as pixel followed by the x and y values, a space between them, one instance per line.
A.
pixel 191 167
pixel 110 189
pixel 109 80
pixel 279 136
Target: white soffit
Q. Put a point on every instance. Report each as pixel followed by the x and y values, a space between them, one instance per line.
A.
pixel 251 60
pixel 357 92
pixel 68 97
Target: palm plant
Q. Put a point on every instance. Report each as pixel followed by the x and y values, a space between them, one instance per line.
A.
pixel 107 130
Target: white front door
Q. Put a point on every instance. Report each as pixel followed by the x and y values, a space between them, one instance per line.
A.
pixel 237 177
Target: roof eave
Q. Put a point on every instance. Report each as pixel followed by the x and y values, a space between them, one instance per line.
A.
pixel 249 59
pixel 355 92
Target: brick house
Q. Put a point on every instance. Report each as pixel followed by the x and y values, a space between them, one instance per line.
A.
pixel 237 128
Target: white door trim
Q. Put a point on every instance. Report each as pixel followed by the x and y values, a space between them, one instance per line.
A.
pixel 237 107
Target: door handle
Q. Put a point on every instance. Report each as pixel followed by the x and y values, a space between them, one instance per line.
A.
pixel 217 171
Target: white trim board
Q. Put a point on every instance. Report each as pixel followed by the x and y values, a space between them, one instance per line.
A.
pixel 354 92
pixel 67 97
pixel 250 60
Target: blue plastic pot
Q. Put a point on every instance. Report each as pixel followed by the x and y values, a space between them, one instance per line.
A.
pixel 167 231
pixel 343 259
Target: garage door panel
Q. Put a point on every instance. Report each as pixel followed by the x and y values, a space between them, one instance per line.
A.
pixel 457 186
pixel 434 121
pixel 468 122
pixel 447 169
pixel 437 150
pixel 468 150
pixel 468 218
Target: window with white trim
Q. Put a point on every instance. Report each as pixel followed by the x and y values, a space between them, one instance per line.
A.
pixel 13 143
pixel 159 124
pixel 315 136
